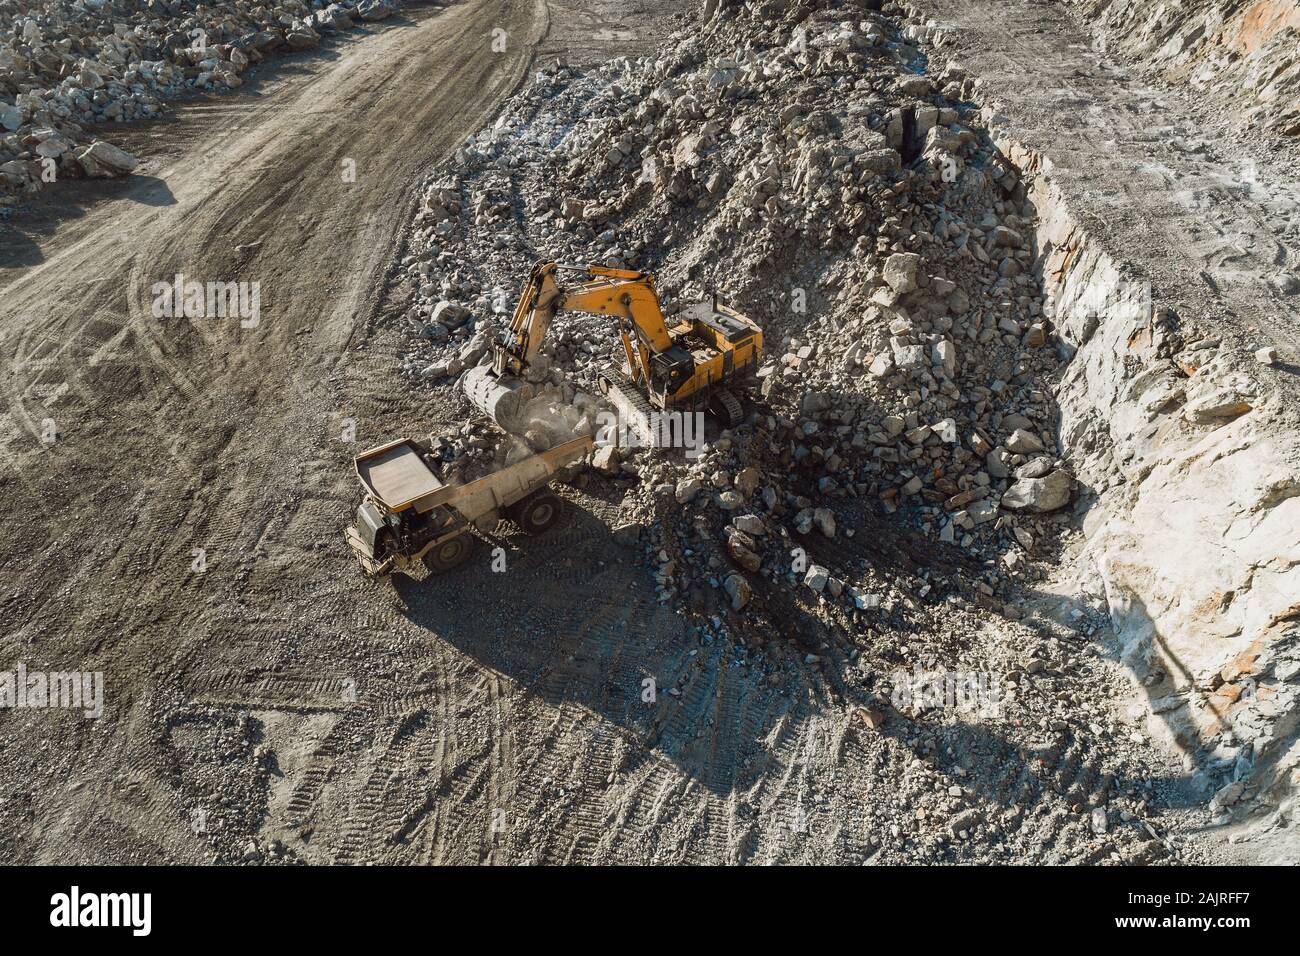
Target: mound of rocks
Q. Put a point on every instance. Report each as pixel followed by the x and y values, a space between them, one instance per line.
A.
pixel 796 160
pixel 65 66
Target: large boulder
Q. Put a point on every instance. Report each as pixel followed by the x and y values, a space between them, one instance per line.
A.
pixel 687 489
pixel 52 144
pixel 11 117
pixel 743 550
pixel 1023 442
pixel 605 461
pixel 738 590
pixel 1040 495
pixel 104 160
pixel 901 271
pixel 816 577
pixel 451 314
pixel 302 38
pixel 375 10
pixel 15 174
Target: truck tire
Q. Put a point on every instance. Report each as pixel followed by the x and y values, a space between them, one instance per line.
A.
pixel 451 553
pixel 537 513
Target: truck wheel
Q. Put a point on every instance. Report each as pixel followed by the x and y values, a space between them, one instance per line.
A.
pixel 450 553
pixel 537 513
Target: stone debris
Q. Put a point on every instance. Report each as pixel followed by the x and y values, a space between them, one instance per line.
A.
pixel 896 481
pixel 817 577
pixel 66 66
pixel 906 362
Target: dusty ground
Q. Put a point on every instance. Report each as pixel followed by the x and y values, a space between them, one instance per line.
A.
pixel 176 437
pixel 276 702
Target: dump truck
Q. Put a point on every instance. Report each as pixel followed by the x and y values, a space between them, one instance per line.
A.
pixel 410 517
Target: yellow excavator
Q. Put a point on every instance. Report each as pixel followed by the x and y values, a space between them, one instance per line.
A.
pixel 688 367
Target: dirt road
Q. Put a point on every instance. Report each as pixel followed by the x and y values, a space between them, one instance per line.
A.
pixel 175 435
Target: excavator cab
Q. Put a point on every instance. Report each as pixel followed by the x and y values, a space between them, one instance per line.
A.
pixel 723 332
pixel 670 370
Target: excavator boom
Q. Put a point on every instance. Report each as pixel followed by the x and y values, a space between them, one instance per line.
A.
pixel 620 293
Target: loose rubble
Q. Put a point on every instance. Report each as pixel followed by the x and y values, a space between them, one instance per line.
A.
pixel 899 475
pixel 67 68
pixel 851 206
pixel 841 572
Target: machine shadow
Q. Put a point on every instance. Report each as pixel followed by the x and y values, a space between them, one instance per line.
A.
pixel 572 616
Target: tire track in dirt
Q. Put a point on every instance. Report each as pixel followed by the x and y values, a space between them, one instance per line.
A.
pixel 201 433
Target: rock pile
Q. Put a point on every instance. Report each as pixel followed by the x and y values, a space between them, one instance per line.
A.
pixel 65 66
pixel 796 160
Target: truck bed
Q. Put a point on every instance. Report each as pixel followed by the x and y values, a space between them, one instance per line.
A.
pixel 396 475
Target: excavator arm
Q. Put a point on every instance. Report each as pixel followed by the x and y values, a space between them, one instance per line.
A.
pixel 708 348
pixel 625 295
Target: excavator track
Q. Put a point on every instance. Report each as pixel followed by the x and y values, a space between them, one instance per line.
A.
pixel 634 408
pixel 728 405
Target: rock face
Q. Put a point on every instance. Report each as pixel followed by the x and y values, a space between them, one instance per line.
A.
pixel 1193 539
pixel 1242 56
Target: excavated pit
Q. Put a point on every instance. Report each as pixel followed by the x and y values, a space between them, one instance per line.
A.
pixel 1181 429
pixel 999 569
pixel 1190 457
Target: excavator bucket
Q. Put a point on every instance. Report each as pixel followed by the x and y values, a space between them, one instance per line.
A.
pixel 499 398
